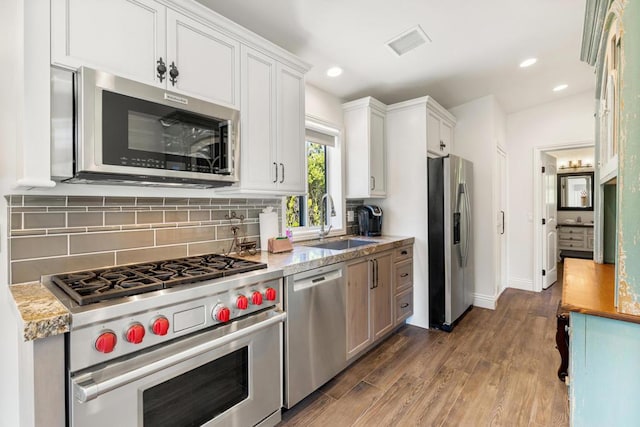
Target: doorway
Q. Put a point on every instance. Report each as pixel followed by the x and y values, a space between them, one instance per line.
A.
pixel 545 240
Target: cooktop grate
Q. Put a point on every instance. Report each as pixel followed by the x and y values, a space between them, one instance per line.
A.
pixel 86 287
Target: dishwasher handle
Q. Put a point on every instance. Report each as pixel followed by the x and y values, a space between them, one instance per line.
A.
pixel 317 280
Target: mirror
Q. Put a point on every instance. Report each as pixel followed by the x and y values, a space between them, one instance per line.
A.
pixel 575 191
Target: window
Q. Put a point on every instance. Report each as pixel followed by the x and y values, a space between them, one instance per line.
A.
pixel 324 176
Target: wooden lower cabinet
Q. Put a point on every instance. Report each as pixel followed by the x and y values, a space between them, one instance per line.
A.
pixel 369 301
pixel 379 297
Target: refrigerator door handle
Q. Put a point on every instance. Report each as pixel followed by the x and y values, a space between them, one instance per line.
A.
pixel 467 207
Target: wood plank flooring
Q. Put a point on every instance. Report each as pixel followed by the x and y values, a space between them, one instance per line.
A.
pixel 496 368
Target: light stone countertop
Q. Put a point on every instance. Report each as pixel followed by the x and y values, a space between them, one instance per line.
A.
pixel 305 257
pixel 43 315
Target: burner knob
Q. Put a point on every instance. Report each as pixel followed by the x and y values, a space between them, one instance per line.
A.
pixel 106 342
pixel 135 333
pixel 270 293
pixel 221 313
pixel 160 326
pixel 256 298
pixel 242 302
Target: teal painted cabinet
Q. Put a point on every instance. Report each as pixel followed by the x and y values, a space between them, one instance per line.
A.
pixel 604 372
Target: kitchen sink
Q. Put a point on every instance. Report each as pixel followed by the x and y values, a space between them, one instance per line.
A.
pixel 341 244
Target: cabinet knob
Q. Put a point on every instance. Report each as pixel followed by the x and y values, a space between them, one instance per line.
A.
pixel 405 305
pixel 173 73
pixel 162 69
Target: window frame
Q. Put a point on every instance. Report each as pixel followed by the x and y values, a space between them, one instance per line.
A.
pixel 334 182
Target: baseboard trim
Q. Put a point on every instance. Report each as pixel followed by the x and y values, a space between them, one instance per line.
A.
pixel 484 301
pixel 518 283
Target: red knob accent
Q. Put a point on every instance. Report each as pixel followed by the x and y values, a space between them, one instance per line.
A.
pixel 242 302
pixel 135 333
pixel 106 342
pixel 270 293
pixel 256 298
pixel 223 314
pixel 160 326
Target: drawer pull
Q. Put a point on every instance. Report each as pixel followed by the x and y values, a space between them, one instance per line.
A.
pixel 404 274
pixel 404 253
pixel 405 305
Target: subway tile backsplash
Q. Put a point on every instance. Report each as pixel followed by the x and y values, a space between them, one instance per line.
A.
pixel 55 234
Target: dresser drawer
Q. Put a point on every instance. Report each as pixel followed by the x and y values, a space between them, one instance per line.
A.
pixel 404 305
pixel 570 230
pixel 403 274
pixel 571 244
pixel 405 252
pixel 570 237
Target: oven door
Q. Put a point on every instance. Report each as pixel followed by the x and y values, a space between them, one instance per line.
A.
pixel 228 376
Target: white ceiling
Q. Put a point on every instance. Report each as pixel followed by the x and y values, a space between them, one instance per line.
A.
pixel 476 48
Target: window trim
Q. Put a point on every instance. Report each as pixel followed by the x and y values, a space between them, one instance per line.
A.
pixel 335 181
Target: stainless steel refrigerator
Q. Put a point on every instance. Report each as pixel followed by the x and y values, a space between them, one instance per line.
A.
pixel 450 251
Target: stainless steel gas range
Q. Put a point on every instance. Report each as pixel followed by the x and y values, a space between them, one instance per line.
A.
pixel 184 342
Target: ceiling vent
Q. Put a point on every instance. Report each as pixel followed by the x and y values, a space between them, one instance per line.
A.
pixel 408 40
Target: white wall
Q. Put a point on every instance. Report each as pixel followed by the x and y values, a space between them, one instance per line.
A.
pixel 479 131
pixel 324 106
pixel 10 103
pixel 568 120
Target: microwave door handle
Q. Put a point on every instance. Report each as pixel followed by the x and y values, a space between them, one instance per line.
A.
pixel 226 145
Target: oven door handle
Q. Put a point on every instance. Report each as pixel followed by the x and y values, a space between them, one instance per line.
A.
pixel 86 388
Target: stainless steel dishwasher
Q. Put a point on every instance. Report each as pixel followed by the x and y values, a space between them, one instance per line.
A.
pixel 315 330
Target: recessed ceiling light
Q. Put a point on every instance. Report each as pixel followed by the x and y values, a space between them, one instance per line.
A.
pixel 334 71
pixel 560 87
pixel 528 62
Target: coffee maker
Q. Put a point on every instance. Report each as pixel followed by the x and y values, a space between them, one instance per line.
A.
pixel 369 220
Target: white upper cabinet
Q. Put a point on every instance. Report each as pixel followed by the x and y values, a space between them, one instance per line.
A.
pixel 440 124
pixel 119 36
pixel 272 127
pixel 290 131
pixel 364 121
pixel 208 62
pixel 136 39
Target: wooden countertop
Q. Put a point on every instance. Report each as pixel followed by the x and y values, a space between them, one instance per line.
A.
pixel 589 288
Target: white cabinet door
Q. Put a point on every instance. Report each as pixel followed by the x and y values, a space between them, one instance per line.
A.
pixel 377 166
pixel 446 136
pixel 124 37
pixel 365 140
pixel 439 135
pixel 258 124
pixel 291 131
pixel 208 62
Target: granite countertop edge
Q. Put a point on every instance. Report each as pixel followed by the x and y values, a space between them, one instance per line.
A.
pixel 42 315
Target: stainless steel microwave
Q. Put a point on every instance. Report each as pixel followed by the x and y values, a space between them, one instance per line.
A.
pixel 107 129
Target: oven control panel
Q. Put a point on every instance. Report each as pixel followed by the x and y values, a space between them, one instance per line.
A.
pixel 118 337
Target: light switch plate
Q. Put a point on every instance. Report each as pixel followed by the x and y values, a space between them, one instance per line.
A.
pixel 350 216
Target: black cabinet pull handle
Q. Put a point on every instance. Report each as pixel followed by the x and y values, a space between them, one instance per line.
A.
pixel 162 69
pixel 282 179
pixel 275 165
pixel 173 73
pixel 405 305
pixel 404 275
pixel 442 145
pixel 404 252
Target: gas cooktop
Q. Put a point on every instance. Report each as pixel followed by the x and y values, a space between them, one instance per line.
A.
pixel 86 287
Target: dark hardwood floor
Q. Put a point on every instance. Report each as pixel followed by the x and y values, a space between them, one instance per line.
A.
pixel 496 368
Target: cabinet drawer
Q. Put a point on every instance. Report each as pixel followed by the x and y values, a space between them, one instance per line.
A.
pixel 404 306
pixel 403 253
pixel 571 230
pixel 570 237
pixel 568 244
pixel 403 275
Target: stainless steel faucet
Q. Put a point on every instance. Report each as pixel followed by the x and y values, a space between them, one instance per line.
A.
pixel 323 214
